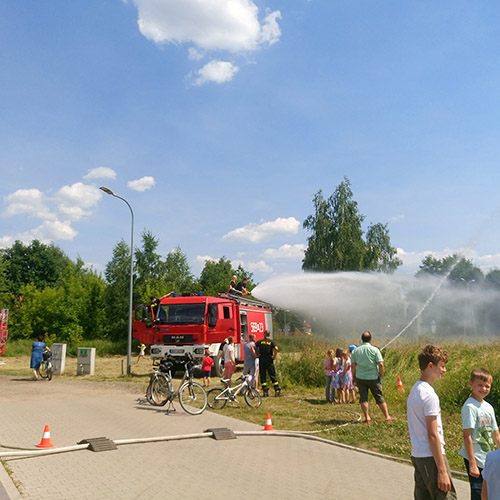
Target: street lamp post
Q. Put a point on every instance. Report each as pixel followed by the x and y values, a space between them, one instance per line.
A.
pixel 131 299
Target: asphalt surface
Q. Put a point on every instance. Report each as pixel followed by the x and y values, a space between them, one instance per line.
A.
pixel 264 466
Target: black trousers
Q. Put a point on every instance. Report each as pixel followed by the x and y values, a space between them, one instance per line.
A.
pixel 267 367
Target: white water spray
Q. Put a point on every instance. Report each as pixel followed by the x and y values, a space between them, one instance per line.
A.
pixel 344 304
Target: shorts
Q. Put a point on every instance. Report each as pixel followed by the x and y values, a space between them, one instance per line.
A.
pixel 375 388
pixel 207 373
pixel 426 486
pixel 229 369
pixel 249 369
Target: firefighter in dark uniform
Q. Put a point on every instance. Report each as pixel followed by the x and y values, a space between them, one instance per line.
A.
pixel 266 351
pixel 155 302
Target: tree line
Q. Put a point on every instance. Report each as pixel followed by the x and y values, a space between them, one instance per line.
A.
pixel 46 292
pixel 468 303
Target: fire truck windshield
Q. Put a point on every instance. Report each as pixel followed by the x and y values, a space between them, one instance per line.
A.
pixel 181 314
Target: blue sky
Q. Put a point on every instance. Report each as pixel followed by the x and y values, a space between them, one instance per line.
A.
pixel 219 120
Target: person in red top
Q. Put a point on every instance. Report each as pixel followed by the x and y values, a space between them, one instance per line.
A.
pixel 206 367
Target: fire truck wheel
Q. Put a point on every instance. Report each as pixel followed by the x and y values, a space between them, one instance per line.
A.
pixel 215 400
pixel 219 364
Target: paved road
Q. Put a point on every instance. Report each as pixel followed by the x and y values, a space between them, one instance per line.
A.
pixel 249 467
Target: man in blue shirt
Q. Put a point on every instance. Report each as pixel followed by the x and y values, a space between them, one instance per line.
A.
pixel 367 372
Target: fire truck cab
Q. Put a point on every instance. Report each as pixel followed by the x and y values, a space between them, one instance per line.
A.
pixel 187 324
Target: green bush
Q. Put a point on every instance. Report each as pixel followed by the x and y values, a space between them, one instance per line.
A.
pixel 300 363
pixel 21 347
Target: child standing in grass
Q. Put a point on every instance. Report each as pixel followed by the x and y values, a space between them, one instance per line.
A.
pixel 348 386
pixel 338 380
pixel 329 363
pixel 206 367
pixel 480 429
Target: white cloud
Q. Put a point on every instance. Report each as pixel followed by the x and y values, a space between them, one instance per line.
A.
pixel 412 260
pixel 258 267
pixel 208 24
pixel 396 218
pixel 254 267
pixel 6 241
pixel 28 201
pixel 255 233
pixel 101 173
pixel 288 252
pixel 50 231
pixel 217 72
pixel 142 184
pixel 194 55
pixel 204 258
pixel 270 28
pixel 73 201
pixel 488 262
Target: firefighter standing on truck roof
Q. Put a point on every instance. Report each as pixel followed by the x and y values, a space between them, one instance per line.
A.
pixel 266 351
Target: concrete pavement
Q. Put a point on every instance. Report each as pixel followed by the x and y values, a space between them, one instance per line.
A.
pixel 249 467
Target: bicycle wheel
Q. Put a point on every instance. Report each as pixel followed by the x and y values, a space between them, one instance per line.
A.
pixel 149 396
pixel 216 400
pixel 193 398
pixel 253 398
pixel 43 370
pixel 160 391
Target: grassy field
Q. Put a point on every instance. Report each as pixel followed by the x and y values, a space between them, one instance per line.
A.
pixel 302 407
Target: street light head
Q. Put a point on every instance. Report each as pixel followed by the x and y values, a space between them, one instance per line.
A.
pixel 107 190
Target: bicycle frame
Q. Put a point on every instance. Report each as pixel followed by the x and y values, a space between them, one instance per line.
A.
pixel 218 398
pixel 192 396
pixel 233 391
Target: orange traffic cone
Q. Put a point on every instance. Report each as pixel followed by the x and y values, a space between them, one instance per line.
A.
pixel 400 385
pixel 269 424
pixel 46 441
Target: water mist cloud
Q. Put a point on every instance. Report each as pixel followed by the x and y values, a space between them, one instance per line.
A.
pixel 347 303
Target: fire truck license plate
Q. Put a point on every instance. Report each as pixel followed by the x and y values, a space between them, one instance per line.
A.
pixel 176 351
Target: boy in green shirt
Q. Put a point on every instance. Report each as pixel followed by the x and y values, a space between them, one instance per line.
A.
pixel 480 429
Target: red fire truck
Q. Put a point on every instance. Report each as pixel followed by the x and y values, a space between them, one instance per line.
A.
pixel 187 324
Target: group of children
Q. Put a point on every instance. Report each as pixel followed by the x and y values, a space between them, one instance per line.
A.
pixel 480 434
pixel 338 375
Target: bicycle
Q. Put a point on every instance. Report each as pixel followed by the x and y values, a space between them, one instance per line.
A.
pixel 46 367
pixel 218 398
pixel 160 391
